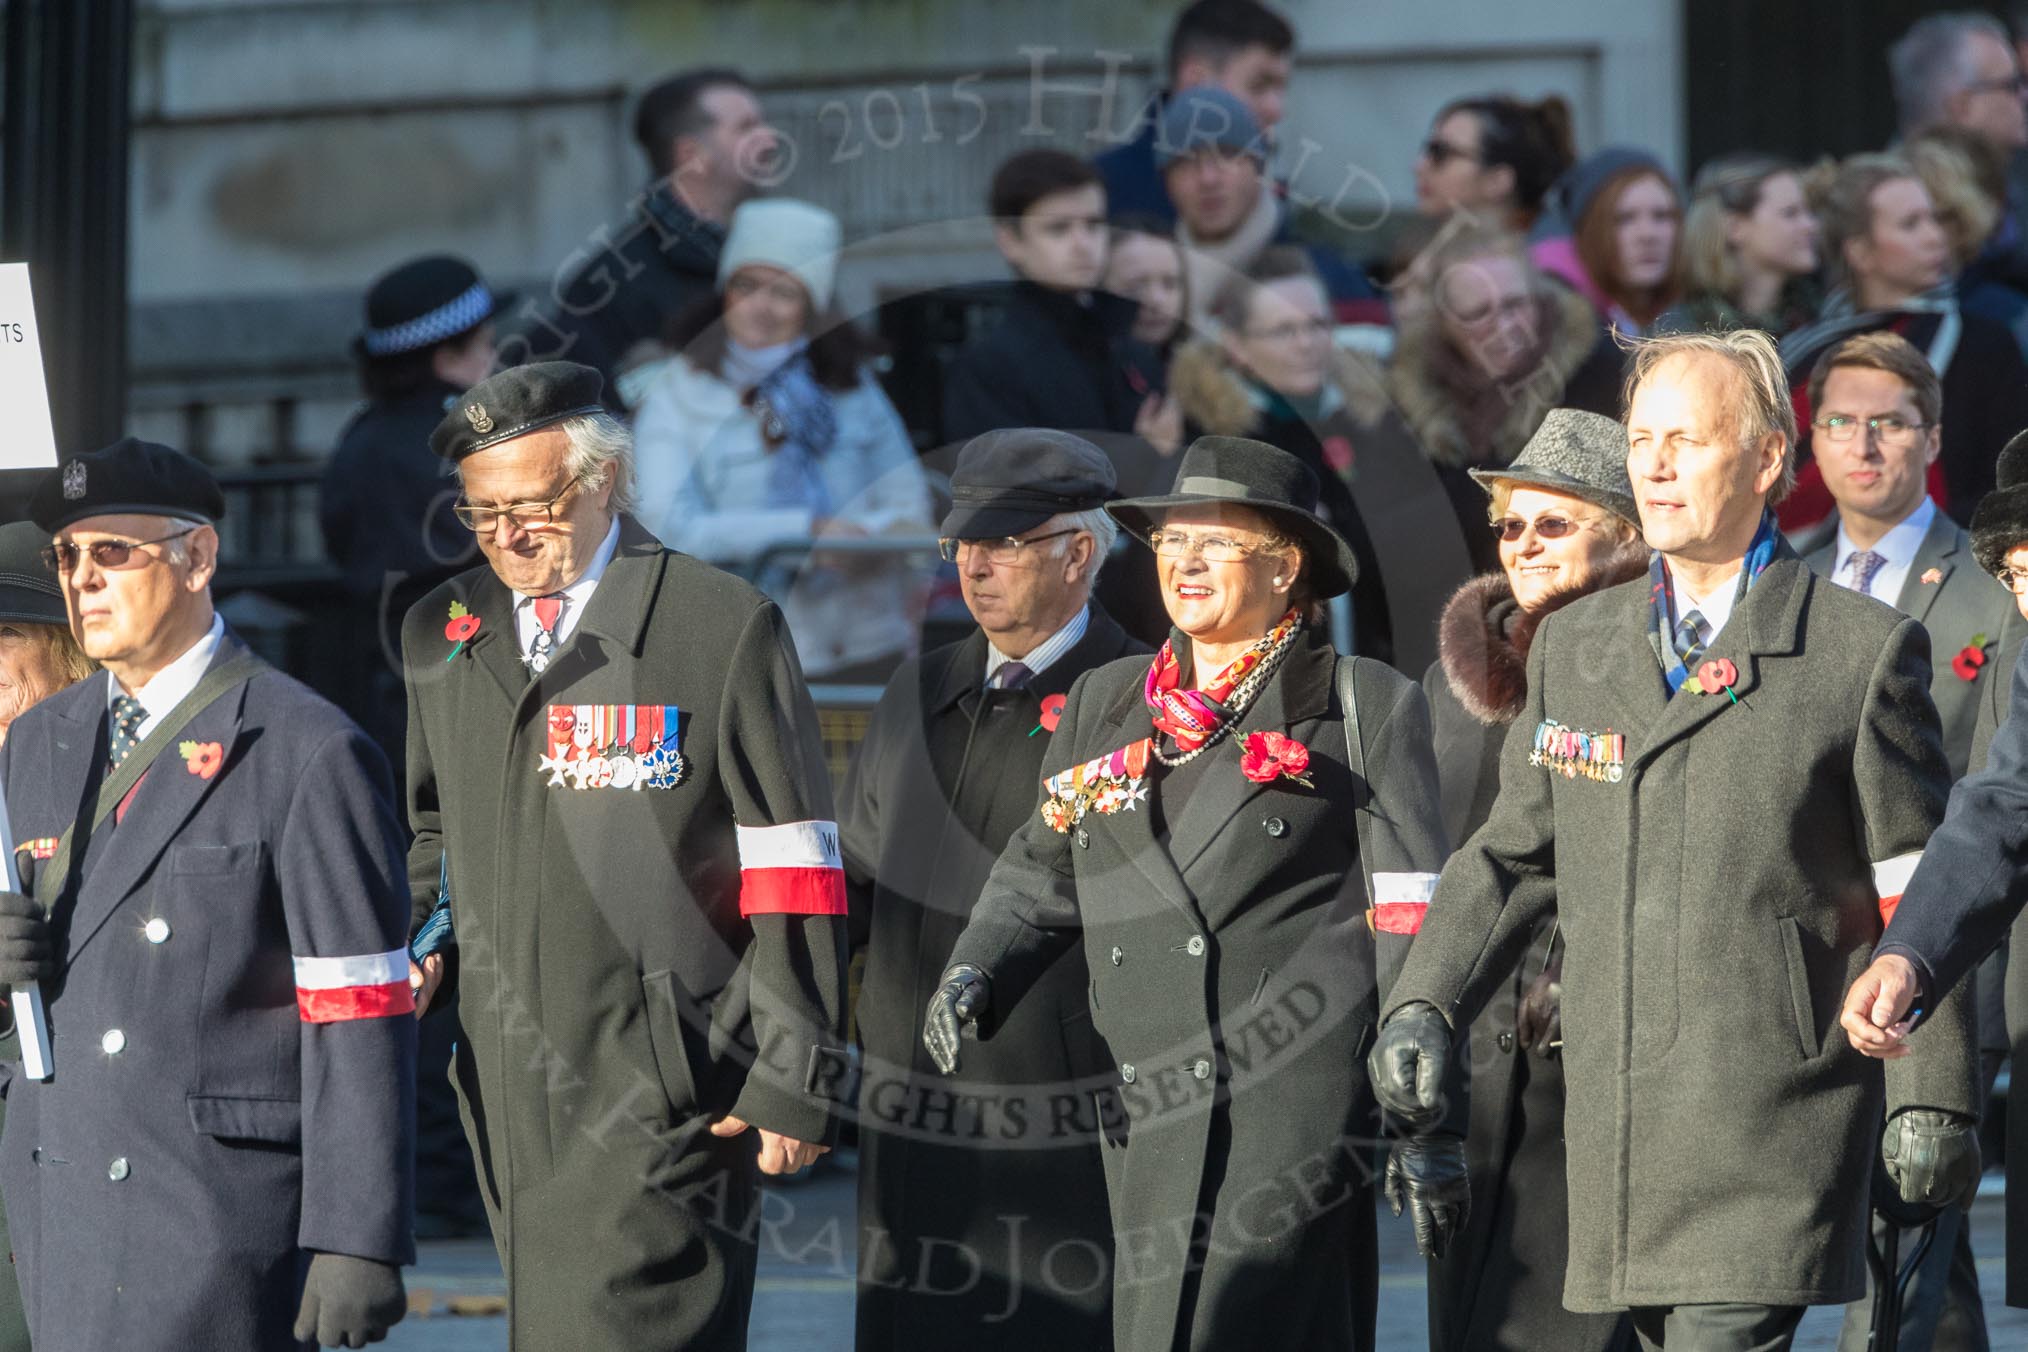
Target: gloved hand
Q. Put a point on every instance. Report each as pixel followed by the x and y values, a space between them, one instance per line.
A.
pixel 349 1302
pixel 1427 1173
pixel 951 1010
pixel 1538 1023
pixel 1408 1062
pixel 1932 1157
pixel 26 951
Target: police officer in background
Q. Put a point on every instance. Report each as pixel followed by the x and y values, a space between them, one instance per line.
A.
pixel 611 747
pixel 950 1235
pixel 223 1154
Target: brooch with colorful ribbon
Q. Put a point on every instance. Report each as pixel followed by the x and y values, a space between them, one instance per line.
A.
pixel 1105 784
pixel 463 625
pixel 1268 756
pixel 1970 658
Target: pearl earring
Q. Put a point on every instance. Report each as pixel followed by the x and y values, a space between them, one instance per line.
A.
pixel 1278 582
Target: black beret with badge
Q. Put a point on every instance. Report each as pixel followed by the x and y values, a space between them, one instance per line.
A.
pixel 131 477
pixel 1016 478
pixel 514 402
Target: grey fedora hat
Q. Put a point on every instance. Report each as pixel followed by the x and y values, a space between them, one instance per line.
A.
pixel 1582 454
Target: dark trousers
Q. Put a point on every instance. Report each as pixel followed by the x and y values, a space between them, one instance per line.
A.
pixel 1717 1328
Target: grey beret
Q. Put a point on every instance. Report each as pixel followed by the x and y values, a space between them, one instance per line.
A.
pixel 1582 454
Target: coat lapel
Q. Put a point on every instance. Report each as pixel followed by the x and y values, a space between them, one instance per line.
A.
pixel 1127 721
pixel 1939 551
pixel 494 647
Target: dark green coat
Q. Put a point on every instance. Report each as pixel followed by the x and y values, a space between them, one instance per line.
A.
pixel 611 991
pixel 950 1233
pixel 1716 904
pixel 1234 972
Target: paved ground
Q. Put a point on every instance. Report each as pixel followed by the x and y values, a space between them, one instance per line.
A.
pixel 804 1300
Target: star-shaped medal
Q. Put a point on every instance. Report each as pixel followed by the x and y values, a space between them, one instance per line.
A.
pixel 556 767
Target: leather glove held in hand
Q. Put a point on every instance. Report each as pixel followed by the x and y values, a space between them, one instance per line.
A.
pixel 349 1302
pixel 1427 1174
pixel 26 953
pixel 1932 1157
pixel 1408 1062
pixel 952 1009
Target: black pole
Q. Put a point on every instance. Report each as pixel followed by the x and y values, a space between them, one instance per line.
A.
pixel 63 200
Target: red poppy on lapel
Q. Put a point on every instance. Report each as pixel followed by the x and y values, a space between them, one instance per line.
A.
pixel 1269 756
pixel 201 758
pixel 1970 658
pixel 1714 676
pixel 1052 712
pixel 463 625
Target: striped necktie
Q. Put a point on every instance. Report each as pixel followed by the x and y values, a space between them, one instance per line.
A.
pixel 1690 639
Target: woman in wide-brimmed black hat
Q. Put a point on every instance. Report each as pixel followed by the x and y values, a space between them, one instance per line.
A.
pixel 1198 833
pixel 38 656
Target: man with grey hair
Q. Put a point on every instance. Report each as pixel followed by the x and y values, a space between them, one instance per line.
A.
pixel 1960 70
pixel 1721 779
pixel 951 1235
pixel 615 776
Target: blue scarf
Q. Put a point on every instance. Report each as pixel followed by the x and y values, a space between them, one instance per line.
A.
pixel 797 417
pixel 1662 633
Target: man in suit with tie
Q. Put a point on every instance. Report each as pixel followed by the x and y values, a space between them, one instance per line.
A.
pixel 224 1156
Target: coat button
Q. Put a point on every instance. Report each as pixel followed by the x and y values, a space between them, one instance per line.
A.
pixel 1201 1069
pixel 113 1043
pixel 1083 839
pixel 1127 1073
pixel 156 930
pixel 1117 955
pixel 1506 1041
pixel 117 1170
pixel 1276 827
pixel 1195 946
pixel 35 1155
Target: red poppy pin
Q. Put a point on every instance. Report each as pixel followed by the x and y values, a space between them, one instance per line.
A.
pixel 1052 714
pixel 1970 658
pixel 463 625
pixel 1269 756
pixel 1714 676
pixel 201 758
pixel 1932 577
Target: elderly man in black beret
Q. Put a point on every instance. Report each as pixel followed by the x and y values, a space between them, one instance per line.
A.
pixel 614 761
pixel 950 1231
pixel 223 1156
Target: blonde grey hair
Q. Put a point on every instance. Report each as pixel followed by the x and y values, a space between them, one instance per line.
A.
pixel 1764 404
pixel 601 452
pixel 1102 529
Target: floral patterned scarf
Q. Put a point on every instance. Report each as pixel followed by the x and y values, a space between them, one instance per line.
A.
pixel 1193 717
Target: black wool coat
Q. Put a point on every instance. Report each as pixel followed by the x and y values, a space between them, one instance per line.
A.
pixel 1716 902
pixel 1052 360
pixel 615 993
pixel 1234 972
pixel 951 1232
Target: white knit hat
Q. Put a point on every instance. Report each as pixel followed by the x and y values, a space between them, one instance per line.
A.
pixel 781 232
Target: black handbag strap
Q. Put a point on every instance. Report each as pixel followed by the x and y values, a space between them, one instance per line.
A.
pixel 221 678
pixel 1355 756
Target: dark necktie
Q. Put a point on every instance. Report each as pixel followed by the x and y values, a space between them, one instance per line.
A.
pixel 127 718
pixel 1010 676
pixel 548 610
pixel 1690 639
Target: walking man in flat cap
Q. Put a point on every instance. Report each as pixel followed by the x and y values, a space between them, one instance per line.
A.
pixel 614 760
pixel 951 1232
pixel 223 1157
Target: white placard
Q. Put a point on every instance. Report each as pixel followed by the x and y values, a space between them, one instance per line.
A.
pixel 31 1020
pixel 27 440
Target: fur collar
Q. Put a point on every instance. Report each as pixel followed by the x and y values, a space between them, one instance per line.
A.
pixel 1427 405
pixel 1484 637
pixel 1219 400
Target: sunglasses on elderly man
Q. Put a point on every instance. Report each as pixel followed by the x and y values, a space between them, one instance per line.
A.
pixel 1511 528
pixel 61 558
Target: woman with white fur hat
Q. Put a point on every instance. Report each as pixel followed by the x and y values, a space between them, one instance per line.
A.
pixel 769 428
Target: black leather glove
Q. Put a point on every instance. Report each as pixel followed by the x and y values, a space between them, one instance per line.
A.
pixel 951 1010
pixel 349 1302
pixel 1427 1174
pixel 1932 1157
pixel 26 952
pixel 1408 1062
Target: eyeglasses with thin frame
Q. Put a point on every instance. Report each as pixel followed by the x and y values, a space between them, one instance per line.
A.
pixel 2014 580
pixel 1511 528
pixel 1888 431
pixel 61 558
pixel 1440 152
pixel 1001 552
pixel 518 515
pixel 2003 84
pixel 1175 544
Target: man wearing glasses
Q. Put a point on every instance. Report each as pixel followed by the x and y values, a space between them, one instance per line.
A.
pixel 214 911
pixel 947 771
pixel 614 761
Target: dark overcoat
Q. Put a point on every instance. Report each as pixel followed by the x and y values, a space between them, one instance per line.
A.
pixel 951 1232
pixel 1716 902
pixel 1234 973
pixel 220 1104
pixel 632 962
pixel 1051 360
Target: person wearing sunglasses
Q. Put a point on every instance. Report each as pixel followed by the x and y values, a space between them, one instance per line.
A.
pixel 1496 157
pixel 212 903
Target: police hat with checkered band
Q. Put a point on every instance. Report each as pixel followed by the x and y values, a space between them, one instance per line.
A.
pixel 422 303
pixel 514 402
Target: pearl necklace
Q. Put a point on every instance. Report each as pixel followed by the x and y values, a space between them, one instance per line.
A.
pixel 1242 700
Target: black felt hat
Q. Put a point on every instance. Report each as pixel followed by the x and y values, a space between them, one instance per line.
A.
pixel 129 476
pixel 2000 521
pixel 1016 478
pixel 1252 474
pixel 424 302
pixel 28 590
pixel 514 402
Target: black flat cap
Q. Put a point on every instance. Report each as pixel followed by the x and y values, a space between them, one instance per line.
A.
pixel 514 402
pixel 424 302
pixel 130 476
pixel 1016 478
pixel 28 590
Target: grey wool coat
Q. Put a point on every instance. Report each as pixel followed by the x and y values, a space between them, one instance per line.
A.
pixel 615 992
pixel 1234 970
pixel 221 1103
pixel 1964 603
pixel 1716 903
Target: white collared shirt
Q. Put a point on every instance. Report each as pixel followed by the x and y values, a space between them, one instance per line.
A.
pixel 1046 653
pixel 575 598
pixel 1898 547
pixel 171 685
pixel 1714 612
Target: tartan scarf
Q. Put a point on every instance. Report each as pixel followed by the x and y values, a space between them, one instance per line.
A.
pixel 1662 633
